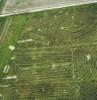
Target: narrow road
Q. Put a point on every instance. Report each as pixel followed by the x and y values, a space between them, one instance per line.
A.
pixel 5 29
pixel 27 6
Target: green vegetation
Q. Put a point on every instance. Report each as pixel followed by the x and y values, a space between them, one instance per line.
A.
pixel 2 2
pixel 50 55
pixel 10 38
pixel 2 21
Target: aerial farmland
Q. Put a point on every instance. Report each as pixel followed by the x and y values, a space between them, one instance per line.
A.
pixel 49 54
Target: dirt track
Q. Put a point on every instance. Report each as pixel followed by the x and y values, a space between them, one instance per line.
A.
pixel 21 6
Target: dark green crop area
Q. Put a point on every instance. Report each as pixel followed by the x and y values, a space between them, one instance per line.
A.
pixel 2 21
pixel 49 55
pixel 2 2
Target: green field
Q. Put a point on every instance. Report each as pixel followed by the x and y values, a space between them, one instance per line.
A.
pixel 2 2
pixel 54 55
pixel 2 21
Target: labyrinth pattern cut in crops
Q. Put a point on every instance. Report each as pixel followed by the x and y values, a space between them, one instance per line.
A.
pixel 49 55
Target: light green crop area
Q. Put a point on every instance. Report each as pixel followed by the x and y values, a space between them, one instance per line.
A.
pixel 49 55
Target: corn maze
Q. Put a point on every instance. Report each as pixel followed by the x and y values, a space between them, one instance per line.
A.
pixel 49 55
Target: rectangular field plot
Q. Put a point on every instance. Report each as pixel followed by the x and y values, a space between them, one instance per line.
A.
pixel 45 64
pixel 88 90
pixel 8 92
pixel 85 25
pixel 48 28
pixel 49 91
pixel 85 64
